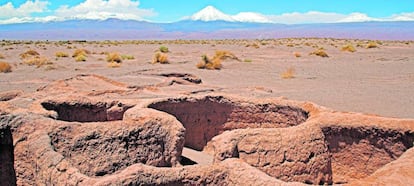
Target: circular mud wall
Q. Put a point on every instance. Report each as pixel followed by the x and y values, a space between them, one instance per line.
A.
pixel 207 117
pixel 357 152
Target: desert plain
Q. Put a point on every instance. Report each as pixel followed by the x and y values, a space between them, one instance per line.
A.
pixel 275 112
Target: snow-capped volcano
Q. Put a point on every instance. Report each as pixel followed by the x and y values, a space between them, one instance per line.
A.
pixel 211 13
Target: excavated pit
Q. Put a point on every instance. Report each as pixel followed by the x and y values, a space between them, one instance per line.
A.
pixel 358 152
pixel 73 111
pixel 207 117
pixel 7 172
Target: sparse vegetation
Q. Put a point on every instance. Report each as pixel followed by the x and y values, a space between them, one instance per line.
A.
pixel 372 44
pixel 206 63
pixel 288 74
pixel 5 67
pixel 127 57
pixel 1 56
pixel 160 58
pixel 38 61
pixel 80 58
pixel 248 60
pixel 297 54
pixel 215 62
pixel 164 49
pixel 80 54
pixel 29 53
pixel 61 54
pixel 113 58
pixel 320 52
pixel 254 45
pixel 348 48
pixel 223 55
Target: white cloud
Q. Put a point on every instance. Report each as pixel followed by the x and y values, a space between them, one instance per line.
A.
pixel 308 17
pixel 104 9
pixel 8 11
pixel 359 17
pixel 251 17
pixel 403 17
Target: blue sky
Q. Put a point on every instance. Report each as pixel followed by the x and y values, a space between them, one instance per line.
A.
pixel 296 11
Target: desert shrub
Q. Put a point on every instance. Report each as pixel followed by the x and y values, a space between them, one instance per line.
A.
pixel 248 60
pixel 113 58
pixel 5 67
pixel 37 61
pixel 163 49
pixel 297 54
pixel 288 74
pixel 80 58
pixel 348 48
pixel 206 63
pixel 127 57
pixel 80 52
pixel 372 44
pixel 29 53
pixel 254 45
pixel 1 56
pixel 223 55
pixel 320 52
pixel 61 54
pixel 160 58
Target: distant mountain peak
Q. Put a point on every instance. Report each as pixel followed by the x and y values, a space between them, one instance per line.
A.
pixel 210 13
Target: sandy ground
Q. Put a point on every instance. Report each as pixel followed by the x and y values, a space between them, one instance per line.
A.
pixel 376 81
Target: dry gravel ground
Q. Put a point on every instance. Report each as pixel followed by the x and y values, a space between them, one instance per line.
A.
pixel 377 81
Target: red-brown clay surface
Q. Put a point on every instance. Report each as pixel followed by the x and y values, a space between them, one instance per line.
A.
pixel 129 126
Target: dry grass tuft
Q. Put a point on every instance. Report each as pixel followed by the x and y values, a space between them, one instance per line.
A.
pixel 223 55
pixel 127 57
pixel 114 58
pixel 348 48
pixel 61 54
pixel 254 45
pixel 80 58
pixel 38 61
pixel 206 63
pixel 160 58
pixel 5 67
pixel 79 52
pixel 288 74
pixel 29 53
pixel 372 44
pixel 320 52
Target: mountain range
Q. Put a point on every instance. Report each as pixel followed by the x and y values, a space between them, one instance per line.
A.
pixel 209 23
